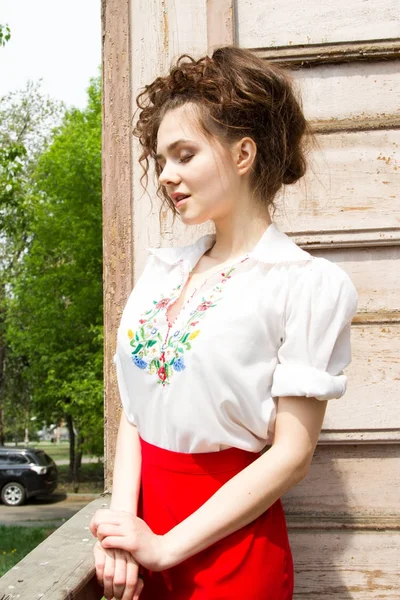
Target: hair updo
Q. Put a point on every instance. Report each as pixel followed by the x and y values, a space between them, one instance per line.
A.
pixel 237 95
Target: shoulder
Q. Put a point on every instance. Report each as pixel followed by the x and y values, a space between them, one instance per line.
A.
pixel 319 275
pixel 320 287
pixel 296 265
pixel 307 279
pixel 322 272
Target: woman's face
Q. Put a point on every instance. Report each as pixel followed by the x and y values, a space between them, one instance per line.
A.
pixel 194 166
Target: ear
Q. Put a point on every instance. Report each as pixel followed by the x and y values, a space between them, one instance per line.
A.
pixel 244 154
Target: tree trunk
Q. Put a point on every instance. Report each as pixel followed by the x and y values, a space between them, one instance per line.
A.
pixel 78 461
pixel 26 437
pixel 79 449
pixel 75 455
pixel 76 472
pixel 72 461
pixel 79 455
pixel 2 438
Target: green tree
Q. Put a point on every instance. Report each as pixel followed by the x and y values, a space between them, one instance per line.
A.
pixel 10 212
pixel 55 309
pixel 27 119
pixel 5 34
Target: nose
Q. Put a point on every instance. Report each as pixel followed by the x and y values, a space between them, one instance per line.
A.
pixel 169 175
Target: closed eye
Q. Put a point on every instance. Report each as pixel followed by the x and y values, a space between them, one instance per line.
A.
pixel 186 159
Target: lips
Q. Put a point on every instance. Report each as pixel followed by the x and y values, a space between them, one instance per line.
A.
pixel 179 198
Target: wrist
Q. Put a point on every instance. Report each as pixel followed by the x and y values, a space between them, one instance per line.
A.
pixel 172 550
pixel 123 507
pixel 121 504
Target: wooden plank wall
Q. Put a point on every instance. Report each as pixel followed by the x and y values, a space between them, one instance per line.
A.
pixel 292 23
pixel 344 517
pixel 175 27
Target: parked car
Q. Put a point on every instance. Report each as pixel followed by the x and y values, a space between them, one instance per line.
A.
pixel 24 473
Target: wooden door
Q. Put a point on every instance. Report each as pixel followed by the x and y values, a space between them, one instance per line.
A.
pixel 344 517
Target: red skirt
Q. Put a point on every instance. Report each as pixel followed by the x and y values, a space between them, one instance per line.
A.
pixel 254 562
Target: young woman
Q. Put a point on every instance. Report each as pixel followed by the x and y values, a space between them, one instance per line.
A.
pixel 225 347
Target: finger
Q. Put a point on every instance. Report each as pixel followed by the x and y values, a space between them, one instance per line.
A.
pixel 99 561
pixel 119 574
pixel 121 542
pixel 132 570
pixel 111 516
pixel 139 588
pixel 104 529
pixel 108 577
pixel 93 526
pixel 104 516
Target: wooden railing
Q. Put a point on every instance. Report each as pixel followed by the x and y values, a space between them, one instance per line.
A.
pixel 340 551
pixel 61 567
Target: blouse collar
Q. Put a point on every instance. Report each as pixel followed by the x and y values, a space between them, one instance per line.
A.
pixel 274 247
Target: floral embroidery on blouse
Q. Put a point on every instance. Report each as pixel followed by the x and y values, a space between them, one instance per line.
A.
pixel 163 355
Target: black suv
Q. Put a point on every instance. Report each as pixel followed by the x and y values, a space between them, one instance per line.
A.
pixel 25 472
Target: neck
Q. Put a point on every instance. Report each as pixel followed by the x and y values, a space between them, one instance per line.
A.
pixel 238 233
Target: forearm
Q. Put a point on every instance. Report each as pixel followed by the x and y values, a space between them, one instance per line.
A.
pixel 127 468
pixel 240 501
pixel 252 491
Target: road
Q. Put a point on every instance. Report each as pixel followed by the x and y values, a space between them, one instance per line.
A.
pixel 51 510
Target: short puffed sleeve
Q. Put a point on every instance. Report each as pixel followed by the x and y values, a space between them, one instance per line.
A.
pixel 321 302
pixel 122 388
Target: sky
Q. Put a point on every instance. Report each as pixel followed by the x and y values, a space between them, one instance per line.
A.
pixel 58 41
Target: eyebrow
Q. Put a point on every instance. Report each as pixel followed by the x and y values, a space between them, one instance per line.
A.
pixel 172 146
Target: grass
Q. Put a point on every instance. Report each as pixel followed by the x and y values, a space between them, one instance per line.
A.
pixel 91 479
pixel 56 451
pixel 17 542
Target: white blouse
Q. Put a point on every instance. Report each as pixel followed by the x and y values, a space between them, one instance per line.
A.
pixel 275 323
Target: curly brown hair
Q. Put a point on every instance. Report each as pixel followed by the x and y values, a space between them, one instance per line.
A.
pixel 236 94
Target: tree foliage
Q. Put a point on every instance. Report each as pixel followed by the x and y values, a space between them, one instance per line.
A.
pixel 26 121
pixel 28 118
pixel 5 34
pixel 54 306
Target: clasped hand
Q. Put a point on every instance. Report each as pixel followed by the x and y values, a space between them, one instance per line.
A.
pixel 124 531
